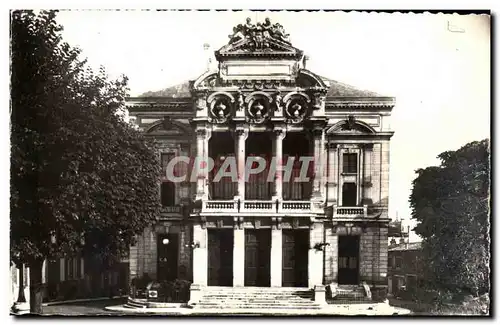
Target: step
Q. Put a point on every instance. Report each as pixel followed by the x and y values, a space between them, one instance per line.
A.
pixel 256 301
pixel 254 307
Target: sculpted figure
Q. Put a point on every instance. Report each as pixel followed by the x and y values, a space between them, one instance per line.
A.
pixel 237 34
pixel 249 27
pixel 267 28
pixel 279 32
pixel 277 101
pixel 241 102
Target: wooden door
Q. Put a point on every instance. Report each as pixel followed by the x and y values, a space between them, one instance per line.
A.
pixel 168 254
pixel 220 257
pixel 348 260
pixel 295 258
pixel 257 257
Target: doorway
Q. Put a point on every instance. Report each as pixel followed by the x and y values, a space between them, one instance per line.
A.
pixel 295 258
pixel 220 257
pixel 348 260
pixel 168 254
pixel 257 257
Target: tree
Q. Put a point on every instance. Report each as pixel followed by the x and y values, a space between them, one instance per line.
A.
pixel 82 179
pixel 451 205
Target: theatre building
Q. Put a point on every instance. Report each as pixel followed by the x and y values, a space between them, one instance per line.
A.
pixel 264 230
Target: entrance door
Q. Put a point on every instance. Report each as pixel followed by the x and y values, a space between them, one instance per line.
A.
pixel 168 253
pixel 220 257
pixel 295 257
pixel 348 260
pixel 257 257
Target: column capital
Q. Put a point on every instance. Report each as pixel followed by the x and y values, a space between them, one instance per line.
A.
pixel 317 133
pixel 279 133
pixel 241 132
pixel 367 146
pixel 203 133
pixel 332 145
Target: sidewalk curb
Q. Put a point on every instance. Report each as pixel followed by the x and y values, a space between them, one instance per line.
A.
pixel 81 300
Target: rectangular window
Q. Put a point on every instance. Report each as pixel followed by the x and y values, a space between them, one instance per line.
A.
pixel 349 194
pixel 165 159
pixel 167 194
pixel 167 190
pixel 350 163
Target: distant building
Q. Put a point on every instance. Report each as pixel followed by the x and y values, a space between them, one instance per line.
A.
pixel 405 267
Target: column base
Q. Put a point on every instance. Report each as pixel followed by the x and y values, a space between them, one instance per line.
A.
pixel 320 294
pixel 194 294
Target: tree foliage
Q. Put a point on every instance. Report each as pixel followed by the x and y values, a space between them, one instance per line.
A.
pixel 82 179
pixel 451 205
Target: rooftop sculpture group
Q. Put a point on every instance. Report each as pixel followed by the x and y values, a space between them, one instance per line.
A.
pixel 259 34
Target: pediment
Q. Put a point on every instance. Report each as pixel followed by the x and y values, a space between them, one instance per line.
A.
pixel 351 126
pixel 248 47
pixel 167 126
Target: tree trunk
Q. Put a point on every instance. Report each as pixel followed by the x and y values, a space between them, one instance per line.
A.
pixel 20 295
pixel 36 287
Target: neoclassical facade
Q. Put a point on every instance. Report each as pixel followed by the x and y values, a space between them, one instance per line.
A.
pixel 264 230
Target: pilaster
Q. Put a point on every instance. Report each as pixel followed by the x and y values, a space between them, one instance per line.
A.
pixel 239 257
pixel 241 134
pixel 200 256
pixel 276 256
pixel 278 136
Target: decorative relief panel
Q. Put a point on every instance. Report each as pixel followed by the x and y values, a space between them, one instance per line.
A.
pixel 221 106
pixel 258 106
pixel 296 107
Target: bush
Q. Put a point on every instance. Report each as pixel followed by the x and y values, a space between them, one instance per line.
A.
pixel 175 291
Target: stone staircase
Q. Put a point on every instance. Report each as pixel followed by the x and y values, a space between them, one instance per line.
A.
pixel 256 298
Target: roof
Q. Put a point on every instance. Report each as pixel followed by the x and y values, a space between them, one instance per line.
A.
pixel 406 247
pixel 337 89
pixel 340 89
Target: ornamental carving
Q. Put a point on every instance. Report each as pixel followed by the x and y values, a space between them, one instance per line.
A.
pixel 254 84
pixel 296 109
pixel 220 107
pixel 258 107
pixel 260 34
pixel 319 101
pixel 209 82
pixel 278 102
pixel 240 100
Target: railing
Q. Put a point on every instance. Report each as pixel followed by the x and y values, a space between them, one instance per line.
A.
pixel 295 206
pixel 257 206
pixel 220 206
pixel 350 212
pixel 264 206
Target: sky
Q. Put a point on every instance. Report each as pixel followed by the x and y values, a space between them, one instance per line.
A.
pixel 436 65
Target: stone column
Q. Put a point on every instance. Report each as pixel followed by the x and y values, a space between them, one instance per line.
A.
pixel 200 149
pixel 208 134
pixel 278 136
pixel 200 255
pixel 318 137
pixel 333 169
pixel 367 175
pixel 315 256
pixel 241 136
pixel 276 256
pixel 239 257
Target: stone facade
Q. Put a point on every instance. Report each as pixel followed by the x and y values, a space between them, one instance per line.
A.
pixel 336 224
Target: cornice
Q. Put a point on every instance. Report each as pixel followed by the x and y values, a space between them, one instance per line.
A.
pixel 360 102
